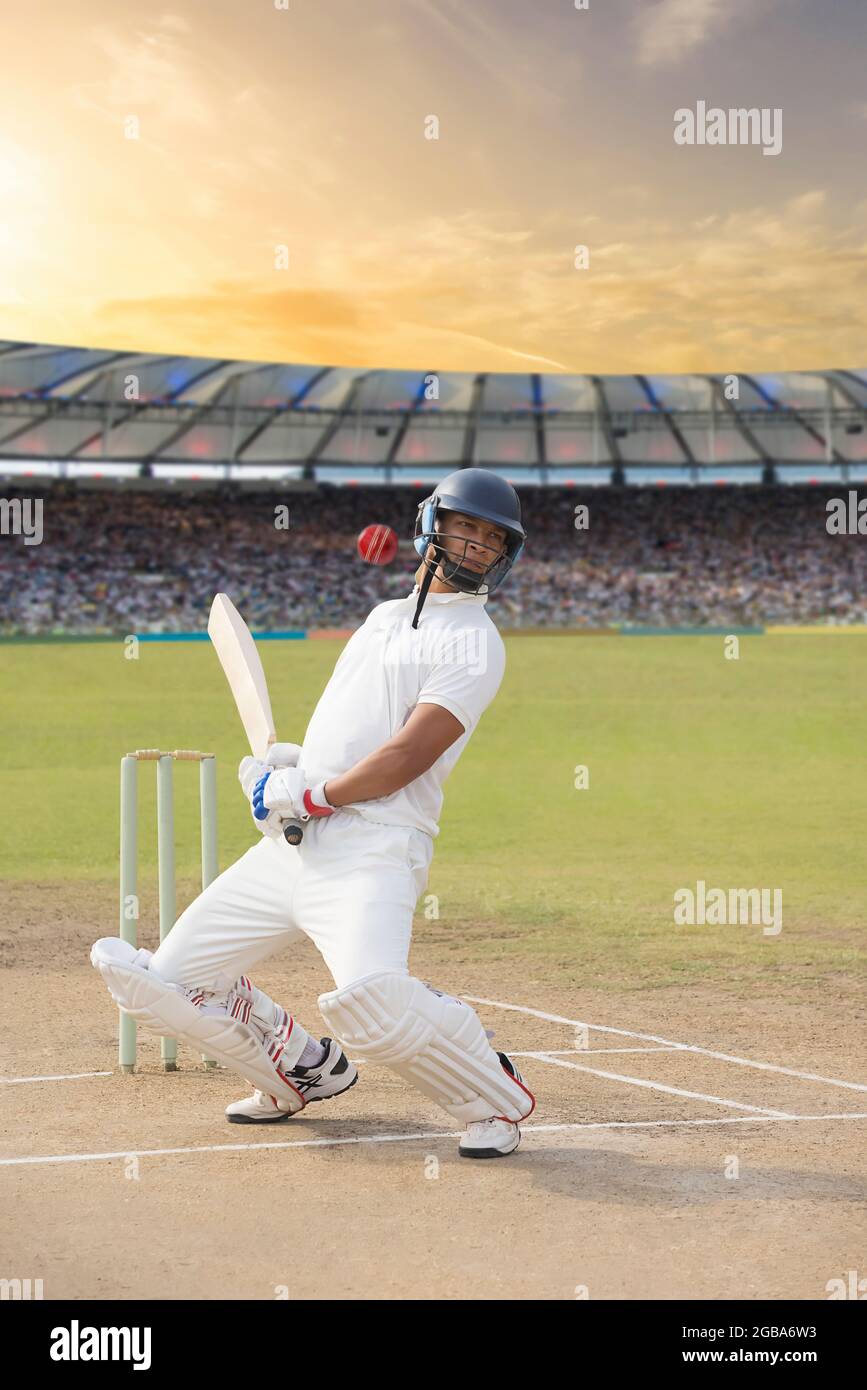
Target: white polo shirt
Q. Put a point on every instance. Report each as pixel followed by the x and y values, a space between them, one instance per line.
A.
pixel 454 658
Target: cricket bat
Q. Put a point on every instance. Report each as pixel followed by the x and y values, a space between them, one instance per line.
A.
pixel 242 665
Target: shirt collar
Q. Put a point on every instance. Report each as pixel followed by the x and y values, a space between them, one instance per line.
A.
pixel 448 598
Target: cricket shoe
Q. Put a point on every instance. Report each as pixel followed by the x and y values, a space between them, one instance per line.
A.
pixel 494 1138
pixel 330 1077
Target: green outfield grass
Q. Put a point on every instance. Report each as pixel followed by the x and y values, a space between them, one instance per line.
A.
pixel 745 773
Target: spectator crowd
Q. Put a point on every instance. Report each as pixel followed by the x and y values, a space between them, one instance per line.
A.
pixel 133 560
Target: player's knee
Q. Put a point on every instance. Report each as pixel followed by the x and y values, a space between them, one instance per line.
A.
pixel 434 1040
pixel 391 1017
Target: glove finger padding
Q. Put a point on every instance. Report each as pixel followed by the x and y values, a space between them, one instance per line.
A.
pixel 266 821
pixel 249 772
pixel 283 755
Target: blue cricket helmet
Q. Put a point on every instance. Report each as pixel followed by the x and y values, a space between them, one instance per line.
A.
pixel 478 493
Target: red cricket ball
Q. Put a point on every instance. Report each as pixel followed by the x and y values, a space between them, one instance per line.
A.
pixel 377 545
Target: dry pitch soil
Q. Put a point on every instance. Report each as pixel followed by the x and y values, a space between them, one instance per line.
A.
pixel 621 1212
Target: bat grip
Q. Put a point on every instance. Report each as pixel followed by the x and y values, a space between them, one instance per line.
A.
pixel 293 833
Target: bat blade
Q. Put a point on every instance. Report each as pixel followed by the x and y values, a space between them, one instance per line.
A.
pixel 240 660
pixel 234 645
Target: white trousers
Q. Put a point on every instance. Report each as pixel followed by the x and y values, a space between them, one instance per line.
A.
pixel 351 886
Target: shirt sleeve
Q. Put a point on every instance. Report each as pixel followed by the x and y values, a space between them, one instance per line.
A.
pixel 467 677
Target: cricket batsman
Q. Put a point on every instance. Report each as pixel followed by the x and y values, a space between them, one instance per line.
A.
pixel 406 694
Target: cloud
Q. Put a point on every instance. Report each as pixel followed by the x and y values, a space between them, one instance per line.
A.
pixel 150 71
pixel 806 205
pixel 759 289
pixel 175 22
pixel 315 326
pixel 669 29
pixel 521 60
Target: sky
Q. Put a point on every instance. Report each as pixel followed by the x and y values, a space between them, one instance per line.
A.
pixel 279 198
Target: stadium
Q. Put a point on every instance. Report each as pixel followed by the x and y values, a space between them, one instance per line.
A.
pixel 651 502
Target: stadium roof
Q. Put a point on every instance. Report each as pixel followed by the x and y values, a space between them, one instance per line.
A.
pixel 84 413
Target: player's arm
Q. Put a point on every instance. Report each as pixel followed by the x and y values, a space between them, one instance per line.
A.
pixel 425 736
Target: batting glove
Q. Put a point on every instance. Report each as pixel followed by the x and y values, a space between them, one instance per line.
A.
pixel 266 822
pixel 249 772
pixel 286 791
pixel 283 755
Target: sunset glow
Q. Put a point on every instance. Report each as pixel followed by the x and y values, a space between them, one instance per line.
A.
pixel 253 181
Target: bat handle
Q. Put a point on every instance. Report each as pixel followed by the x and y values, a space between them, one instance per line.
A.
pixel 293 833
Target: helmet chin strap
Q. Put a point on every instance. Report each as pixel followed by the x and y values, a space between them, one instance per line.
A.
pixel 427 580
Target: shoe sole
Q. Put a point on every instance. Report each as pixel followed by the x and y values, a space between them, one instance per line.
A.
pixel 279 1119
pixel 487 1153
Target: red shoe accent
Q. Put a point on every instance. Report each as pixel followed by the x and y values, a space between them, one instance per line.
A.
pixel 527 1092
pixel 292 1088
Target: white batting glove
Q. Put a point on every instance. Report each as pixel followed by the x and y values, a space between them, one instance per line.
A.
pixel 283 755
pixel 282 791
pixel 250 771
pixel 286 791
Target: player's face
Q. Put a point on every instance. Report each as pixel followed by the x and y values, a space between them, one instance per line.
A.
pixel 476 544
